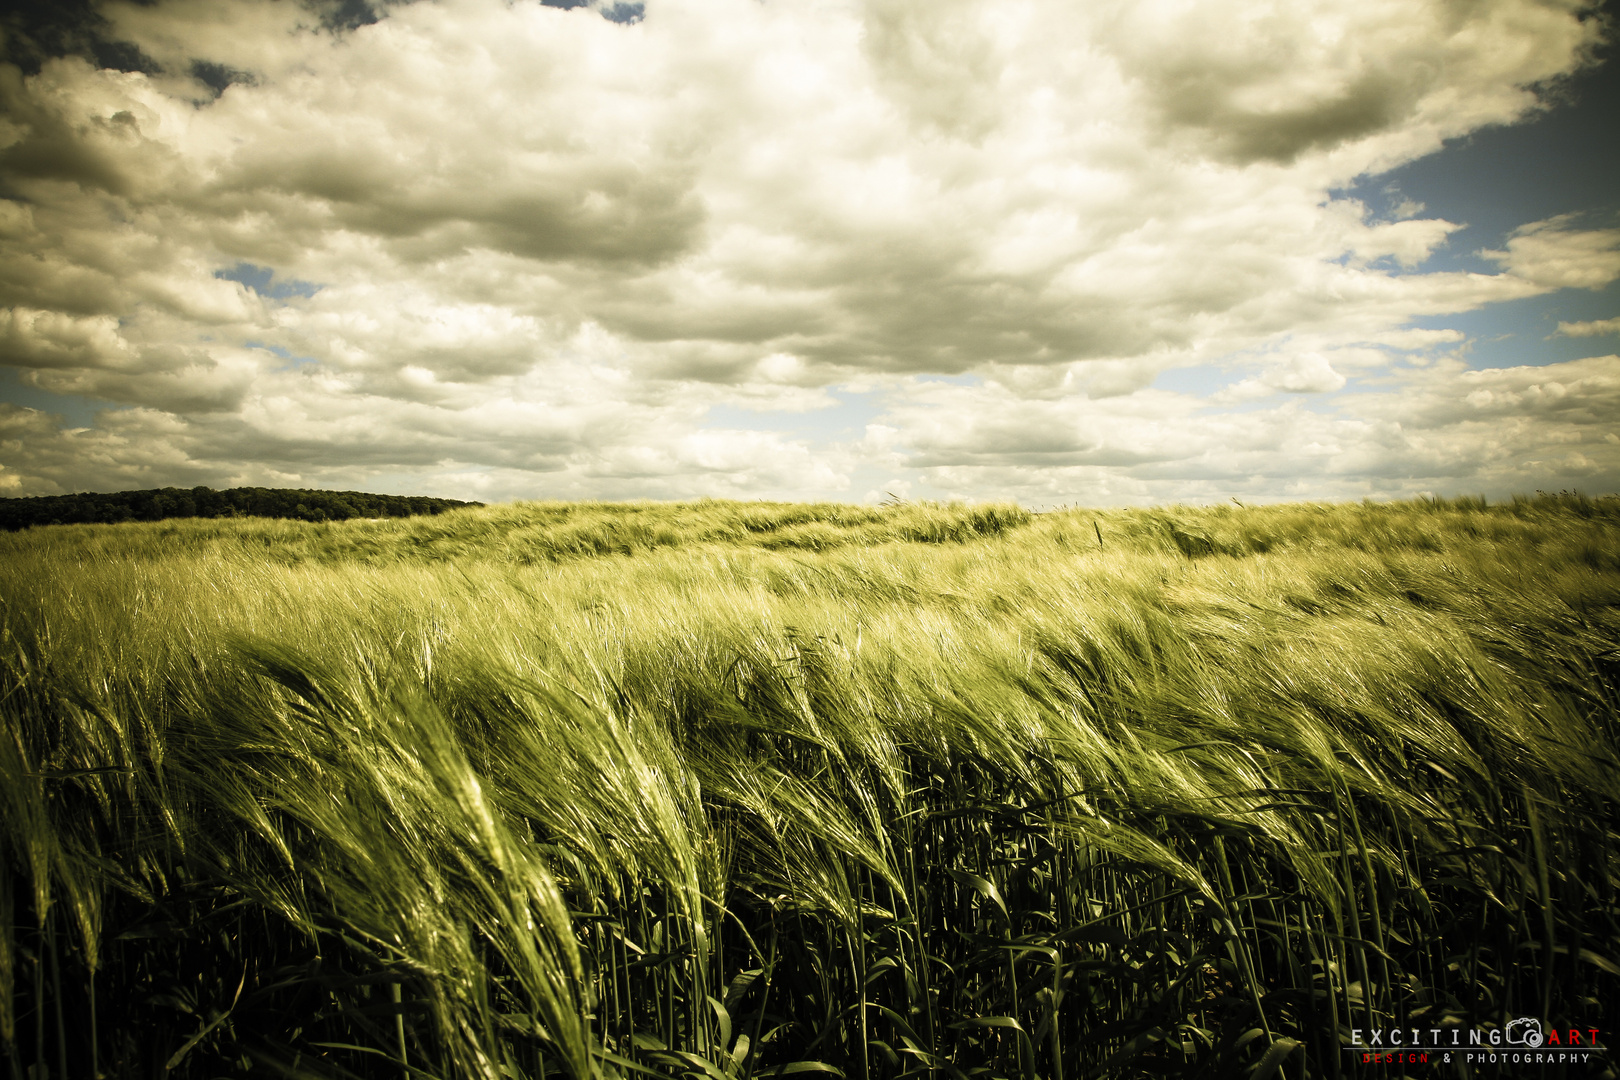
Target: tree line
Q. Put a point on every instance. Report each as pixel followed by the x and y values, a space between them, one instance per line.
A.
pixel 302 504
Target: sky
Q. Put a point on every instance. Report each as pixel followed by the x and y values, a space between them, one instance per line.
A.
pixel 1124 252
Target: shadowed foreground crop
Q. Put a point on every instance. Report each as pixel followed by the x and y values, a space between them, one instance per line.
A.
pixel 741 790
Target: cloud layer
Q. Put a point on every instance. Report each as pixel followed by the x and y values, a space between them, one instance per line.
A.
pixel 509 249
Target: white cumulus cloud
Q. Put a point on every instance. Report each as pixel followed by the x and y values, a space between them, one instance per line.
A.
pixel 498 246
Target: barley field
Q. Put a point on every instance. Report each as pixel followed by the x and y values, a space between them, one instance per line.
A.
pixel 726 790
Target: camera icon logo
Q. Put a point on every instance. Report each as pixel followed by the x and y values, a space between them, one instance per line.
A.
pixel 1525 1031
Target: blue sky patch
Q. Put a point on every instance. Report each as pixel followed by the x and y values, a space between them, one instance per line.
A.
pixel 261 279
pixel 1500 178
pixel 75 411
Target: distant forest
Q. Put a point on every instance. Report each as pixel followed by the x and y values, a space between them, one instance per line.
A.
pixel 159 503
